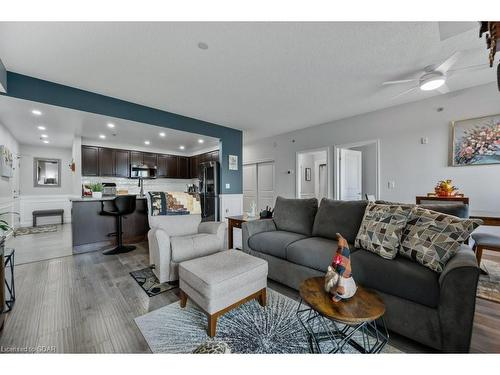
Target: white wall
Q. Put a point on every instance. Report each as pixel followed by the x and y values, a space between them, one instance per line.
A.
pixel 8 185
pixel 414 167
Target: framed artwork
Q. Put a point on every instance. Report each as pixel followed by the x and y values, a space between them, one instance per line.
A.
pixel 233 162
pixel 308 174
pixel 6 162
pixel 476 141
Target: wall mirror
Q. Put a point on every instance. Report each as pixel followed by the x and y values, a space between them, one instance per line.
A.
pixel 46 172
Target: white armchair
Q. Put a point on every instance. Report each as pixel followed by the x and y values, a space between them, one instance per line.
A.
pixel 174 239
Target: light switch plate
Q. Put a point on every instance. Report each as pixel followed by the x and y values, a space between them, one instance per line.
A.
pixel 228 186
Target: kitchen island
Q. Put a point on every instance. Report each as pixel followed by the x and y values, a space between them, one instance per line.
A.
pixel 91 230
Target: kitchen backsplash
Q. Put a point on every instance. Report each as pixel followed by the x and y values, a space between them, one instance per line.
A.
pixel 160 184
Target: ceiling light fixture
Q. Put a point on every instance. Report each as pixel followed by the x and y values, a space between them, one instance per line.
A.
pixel 162 134
pixel 111 125
pixel 147 143
pixel 36 112
pixel 201 141
pixel 182 147
pixel 432 81
pixel 102 136
pixel 45 141
pixel 202 45
pixel 40 127
pixel 44 136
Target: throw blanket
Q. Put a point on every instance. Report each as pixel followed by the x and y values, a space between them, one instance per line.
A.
pixel 174 203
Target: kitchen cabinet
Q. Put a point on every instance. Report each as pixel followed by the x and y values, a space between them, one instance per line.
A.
pixel 149 159
pixel 193 167
pixel 122 163
pixel 135 157
pixel 162 166
pixel 183 167
pixel 172 166
pixel 106 162
pixel 90 157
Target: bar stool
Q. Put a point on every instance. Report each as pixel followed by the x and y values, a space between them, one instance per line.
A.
pixel 123 205
pixel 485 241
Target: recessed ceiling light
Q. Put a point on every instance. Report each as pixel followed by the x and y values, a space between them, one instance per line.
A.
pixel 201 141
pixel 182 147
pixel 162 134
pixel 36 112
pixel 44 136
pixel 102 136
pixel 45 141
pixel 202 45
pixel 40 127
pixel 111 125
pixel 147 143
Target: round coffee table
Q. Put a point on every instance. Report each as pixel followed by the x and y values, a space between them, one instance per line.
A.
pixel 331 326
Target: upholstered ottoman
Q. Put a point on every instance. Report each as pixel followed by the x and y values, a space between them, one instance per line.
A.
pixel 221 282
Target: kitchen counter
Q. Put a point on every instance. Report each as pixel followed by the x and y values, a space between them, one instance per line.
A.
pixel 91 199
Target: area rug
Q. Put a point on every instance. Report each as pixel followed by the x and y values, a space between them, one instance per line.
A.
pixel 148 281
pixel 489 284
pixel 35 230
pixel 248 329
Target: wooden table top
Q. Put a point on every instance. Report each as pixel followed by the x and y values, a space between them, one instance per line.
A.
pixel 364 306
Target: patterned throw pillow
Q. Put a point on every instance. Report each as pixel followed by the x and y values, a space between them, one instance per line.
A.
pixel 173 203
pixel 432 238
pixel 381 229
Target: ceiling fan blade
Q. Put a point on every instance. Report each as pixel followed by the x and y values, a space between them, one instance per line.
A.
pixel 404 92
pixel 448 63
pixel 469 68
pixel 444 89
pixel 399 81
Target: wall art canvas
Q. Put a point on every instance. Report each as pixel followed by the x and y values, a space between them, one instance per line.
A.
pixel 476 141
pixel 233 162
pixel 6 162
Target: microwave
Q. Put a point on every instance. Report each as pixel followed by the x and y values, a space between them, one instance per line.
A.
pixel 143 171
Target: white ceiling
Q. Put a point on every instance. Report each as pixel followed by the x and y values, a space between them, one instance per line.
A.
pixel 263 78
pixel 62 125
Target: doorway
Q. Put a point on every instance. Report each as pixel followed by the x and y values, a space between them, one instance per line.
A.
pixel 312 174
pixel 258 186
pixel 357 170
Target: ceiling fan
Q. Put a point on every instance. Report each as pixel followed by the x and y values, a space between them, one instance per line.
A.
pixel 434 77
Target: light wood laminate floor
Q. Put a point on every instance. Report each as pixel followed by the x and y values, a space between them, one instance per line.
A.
pixel 86 303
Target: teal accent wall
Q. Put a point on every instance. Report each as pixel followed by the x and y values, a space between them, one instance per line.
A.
pixel 37 90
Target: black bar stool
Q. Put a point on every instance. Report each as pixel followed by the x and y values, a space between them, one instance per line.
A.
pixel 123 205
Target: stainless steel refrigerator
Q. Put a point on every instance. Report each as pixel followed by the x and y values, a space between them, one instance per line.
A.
pixel 209 190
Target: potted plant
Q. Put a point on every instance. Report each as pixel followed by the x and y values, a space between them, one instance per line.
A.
pixel 96 190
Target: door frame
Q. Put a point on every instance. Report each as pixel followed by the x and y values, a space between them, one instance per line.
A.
pixel 329 175
pixel 336 164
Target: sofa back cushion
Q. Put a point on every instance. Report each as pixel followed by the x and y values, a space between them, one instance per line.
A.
pixel 295 215
pixel 342 217
pixel 432 238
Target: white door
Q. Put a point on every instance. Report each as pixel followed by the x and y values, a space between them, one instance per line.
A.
pixel 249 186
pixel 350 174
pixel 265 185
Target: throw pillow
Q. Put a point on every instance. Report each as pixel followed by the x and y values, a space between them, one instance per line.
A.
pixel 432 238
pixel 381 229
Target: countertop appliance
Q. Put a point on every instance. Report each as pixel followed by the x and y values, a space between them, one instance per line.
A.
pixel 143 171
pixel 208 175
pixel 108 189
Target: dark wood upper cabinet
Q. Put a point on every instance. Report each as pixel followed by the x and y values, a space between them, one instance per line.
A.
pixel 149 159
pixel 214 155
pixel 90 164
pixel 183 166
pixel 172 166
pixel 122 163
pixel 193 168
pixel 106 162
pixel 162 165
pixel 136 157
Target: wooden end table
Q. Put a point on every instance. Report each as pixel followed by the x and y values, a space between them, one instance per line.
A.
pixel 333 326
pixel 236 222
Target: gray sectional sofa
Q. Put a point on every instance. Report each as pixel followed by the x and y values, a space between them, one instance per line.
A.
pixel 435 309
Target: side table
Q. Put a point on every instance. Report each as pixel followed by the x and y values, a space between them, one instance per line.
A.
pixel 331 327
pixel 236 222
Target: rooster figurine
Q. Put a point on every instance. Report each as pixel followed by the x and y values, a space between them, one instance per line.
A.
pixel 338 280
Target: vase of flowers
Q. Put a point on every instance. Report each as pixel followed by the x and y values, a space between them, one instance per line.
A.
pixel 445 188
pixel 96 190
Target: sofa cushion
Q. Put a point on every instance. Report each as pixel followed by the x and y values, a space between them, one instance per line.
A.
pixel 314 252
pixel 273 243
pixel 456 209
pixel 193 246
pixel 399 277
pixel 432 238
pixel 295 215
pixel 342 217
pixel 381 229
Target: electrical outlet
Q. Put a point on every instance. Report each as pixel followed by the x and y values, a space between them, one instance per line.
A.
pixel 391 184
pixel 424 140
pixel 228 186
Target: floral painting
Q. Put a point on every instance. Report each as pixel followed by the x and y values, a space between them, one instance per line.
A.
pixel 476 141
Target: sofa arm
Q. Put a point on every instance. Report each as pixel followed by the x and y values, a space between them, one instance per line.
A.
pixel 160 253
pixel 250 228
pixel 458 284
pixel 214 227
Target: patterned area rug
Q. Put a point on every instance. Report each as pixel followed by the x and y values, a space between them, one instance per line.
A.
pixel 489 285
pixel 34 230
pixel 148 281
pixel 248 329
